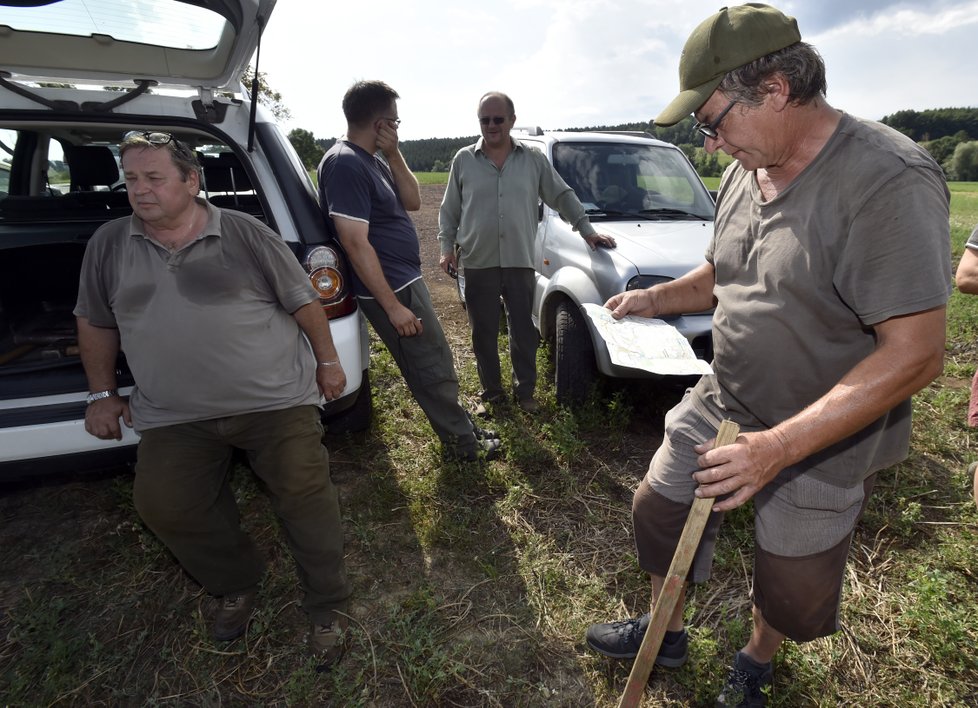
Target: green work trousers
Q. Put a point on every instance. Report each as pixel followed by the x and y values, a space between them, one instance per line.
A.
pixel 182 493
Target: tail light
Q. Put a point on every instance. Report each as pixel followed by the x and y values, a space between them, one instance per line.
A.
pixel 327 273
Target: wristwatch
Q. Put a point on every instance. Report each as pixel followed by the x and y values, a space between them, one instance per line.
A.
pixel 92 397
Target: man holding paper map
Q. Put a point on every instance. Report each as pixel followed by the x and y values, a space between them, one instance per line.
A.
pixel 830 271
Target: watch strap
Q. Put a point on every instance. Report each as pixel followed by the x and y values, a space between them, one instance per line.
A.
pixel 99 395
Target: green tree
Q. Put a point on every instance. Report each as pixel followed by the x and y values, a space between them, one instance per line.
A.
pixel 942 149
pixel 305 145
pixel 963 165
pixel 267 96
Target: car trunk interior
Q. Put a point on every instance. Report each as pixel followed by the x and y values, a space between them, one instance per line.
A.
pixel 38 335
pixel 58 184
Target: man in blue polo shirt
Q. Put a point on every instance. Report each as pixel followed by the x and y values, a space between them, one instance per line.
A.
pixel 367 199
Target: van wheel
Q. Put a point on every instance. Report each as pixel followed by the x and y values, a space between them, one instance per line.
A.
pixel 574 370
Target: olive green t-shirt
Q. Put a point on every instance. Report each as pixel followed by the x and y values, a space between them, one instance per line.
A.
pixel 859 237
pixel 206 330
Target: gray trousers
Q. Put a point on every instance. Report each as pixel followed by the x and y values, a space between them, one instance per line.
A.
pixel 483 288
pixel 181 491
pixel 427 365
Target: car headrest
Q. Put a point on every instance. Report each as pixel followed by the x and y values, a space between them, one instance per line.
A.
pixel 224 173
pixel 91 166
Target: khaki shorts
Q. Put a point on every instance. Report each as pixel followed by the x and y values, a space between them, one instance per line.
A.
pixel 802 530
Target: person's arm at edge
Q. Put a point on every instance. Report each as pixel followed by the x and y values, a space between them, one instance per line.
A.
pixel 330 376
pixel 692 292
pixel 909 355
pixel 363 258
pixel 99 348
pixel 966 276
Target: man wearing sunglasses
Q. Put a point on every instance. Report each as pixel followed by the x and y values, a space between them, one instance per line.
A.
pixel 366 200
pixel 229 348
pixel 829 270
pixel 489 212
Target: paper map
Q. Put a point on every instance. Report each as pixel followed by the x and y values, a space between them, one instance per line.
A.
pixel 645 343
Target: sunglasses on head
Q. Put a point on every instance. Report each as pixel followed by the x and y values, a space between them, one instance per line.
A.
pixel 152 137
pixel 158 138
pixel 496 120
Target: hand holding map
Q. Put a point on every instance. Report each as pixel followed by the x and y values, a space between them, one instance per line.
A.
pixel 645 343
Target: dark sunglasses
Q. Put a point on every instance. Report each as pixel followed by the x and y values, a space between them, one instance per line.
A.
pixel 496 120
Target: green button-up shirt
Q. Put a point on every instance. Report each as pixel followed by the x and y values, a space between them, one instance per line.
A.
pixel 492 213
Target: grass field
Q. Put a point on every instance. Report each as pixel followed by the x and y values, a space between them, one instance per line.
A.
pixel 475 584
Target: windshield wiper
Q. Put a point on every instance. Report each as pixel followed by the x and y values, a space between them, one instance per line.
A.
pixel 616 213
pixel 676 212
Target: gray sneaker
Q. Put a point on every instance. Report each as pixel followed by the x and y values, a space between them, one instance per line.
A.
pixel 622 639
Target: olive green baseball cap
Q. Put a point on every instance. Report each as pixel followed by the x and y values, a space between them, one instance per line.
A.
pixel 725 41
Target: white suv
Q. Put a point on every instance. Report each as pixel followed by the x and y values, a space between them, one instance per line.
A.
pixel 644 193
pixel 74 78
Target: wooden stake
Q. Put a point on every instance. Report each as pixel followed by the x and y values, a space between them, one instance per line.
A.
pixel 665 604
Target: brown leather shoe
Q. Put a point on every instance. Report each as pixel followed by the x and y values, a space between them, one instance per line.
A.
pixel 327 642
pixel 233 614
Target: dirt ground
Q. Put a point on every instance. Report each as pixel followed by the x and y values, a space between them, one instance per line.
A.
pixel 89 521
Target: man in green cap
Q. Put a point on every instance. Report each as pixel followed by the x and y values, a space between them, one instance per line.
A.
pixel 829 271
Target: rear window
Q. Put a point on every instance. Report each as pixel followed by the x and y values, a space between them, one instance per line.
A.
pixel 174 24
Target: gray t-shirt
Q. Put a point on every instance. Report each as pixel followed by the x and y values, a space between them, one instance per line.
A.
pixel 207 330
pixel 859 237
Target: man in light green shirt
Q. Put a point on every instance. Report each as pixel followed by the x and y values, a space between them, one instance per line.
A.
pixel 489 212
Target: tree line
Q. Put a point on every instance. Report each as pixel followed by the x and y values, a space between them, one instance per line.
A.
pixel 949 134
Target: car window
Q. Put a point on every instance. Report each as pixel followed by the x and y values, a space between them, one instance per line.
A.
pixel 174 24
pixel 627 177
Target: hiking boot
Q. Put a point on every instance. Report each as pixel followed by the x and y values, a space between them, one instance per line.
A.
pixel 746 684
pixel 327 642
pixel 529 405
pixel 232 616
pixel 622 639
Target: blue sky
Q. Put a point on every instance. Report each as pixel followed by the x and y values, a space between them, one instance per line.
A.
pixel 574 63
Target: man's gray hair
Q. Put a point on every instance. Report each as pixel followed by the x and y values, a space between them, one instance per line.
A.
pixel 799 63
pixel 181 154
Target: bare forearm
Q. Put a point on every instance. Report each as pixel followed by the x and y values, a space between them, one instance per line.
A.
pixel 692 292
pixel 314 324
pixel 99 349
pixel 405 181
pixel 364 260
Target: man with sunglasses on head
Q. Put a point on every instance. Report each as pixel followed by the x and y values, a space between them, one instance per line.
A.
pixel 829 271
pixel 229 348
pixel 366 200
pixel 489 213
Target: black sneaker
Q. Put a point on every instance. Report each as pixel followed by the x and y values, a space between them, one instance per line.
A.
pixel 622 639
pixel 745 684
